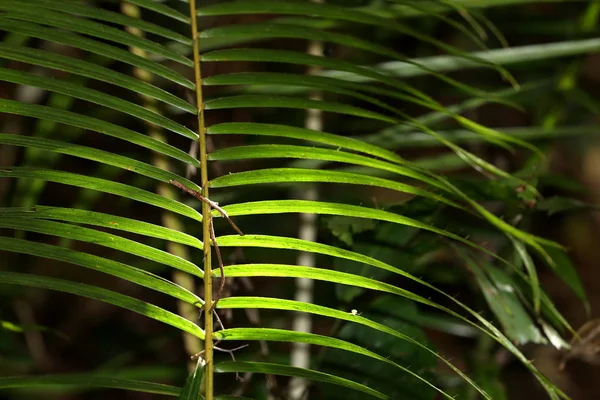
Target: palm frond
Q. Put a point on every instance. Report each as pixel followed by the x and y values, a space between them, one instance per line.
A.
pixel 124 86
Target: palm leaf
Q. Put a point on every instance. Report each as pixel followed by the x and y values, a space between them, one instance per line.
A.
pixel 142 109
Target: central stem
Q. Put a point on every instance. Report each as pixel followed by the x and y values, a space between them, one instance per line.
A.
pixel 206 220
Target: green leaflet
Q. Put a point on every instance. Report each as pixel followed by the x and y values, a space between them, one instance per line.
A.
pixel 97 125
pixel 93 46
pixel 314 153
pixel 91 70
pixel 539 244
pixel 94 96
pixel 295 271
pixel 270 30
pixel 333 276
pixel 107 296
pixel 333 85
pixel 336 13
pixel 290 305
pixel 102 185
pixel 286 370
pixel 191 389
pixel 291 82
pixel 279 335
pixel 242 101
pixel 253 128
pixel 20 11
pixel 303 206
pixel 100 156
pixel 531 272
pixel 99 219
pixel 113 17
pixel 100 238
pixel 161 9
pixel 287 151
pixel 104 265
pixel 294 57
pixel 274 175
pixel 85 381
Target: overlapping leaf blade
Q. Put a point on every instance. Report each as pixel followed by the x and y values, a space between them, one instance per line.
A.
pixel 87 381
pixel 107 296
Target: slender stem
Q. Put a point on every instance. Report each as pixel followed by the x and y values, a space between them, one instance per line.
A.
pixel 206 220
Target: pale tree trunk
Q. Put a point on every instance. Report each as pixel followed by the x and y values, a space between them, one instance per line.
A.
pixel 308 231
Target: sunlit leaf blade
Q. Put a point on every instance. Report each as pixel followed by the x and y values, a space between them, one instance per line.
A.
pixel 100 264
pixel 333 12
pixel 94 96
pixel 245 101
pixel 102 185
pixel 90 153
pixel 286 370
pixel 271 31
pixel 275 83
pixel 20 11
pixel 253 128
pixel 279 335
pixel 281 304
pixel 93 46
pixel 97 125
pixel 314 153
pixel 277 242
pixel 100 219
pixel 264 241
pixel 107 296
pixel 191 389
pixel 278 30
pixel 274 175
pixel 99 238
pixel 293 57
pixel 113 17
pixel 91 70
pixel 322 208
pixel 85 381
pixel 293 271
